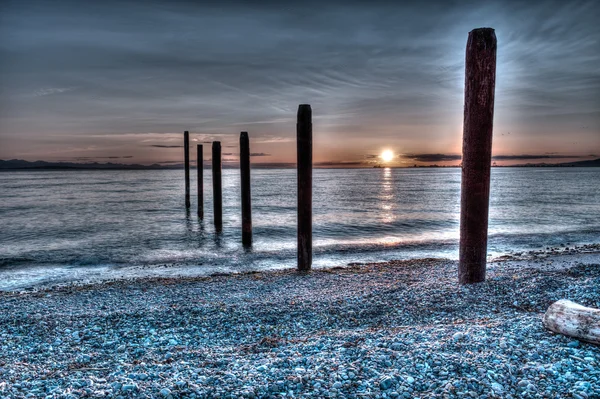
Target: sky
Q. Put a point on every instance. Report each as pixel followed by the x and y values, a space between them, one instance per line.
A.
pixel 120 81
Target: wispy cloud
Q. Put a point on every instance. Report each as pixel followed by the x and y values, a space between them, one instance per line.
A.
pixel 95 158
pixel 338 163
pixel 166 146
pixel 531 156
pixel 516 157
pixel 273 139
pixel 259 154
pixel 274 165
pixel 432 157
pixel 51 90
pixel 115 74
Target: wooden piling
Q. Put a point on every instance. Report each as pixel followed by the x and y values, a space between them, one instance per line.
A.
pixel 304 162
pixel 245 187
pixel 217 186
pixel 200 167
pixel 480 79
pixel 186 157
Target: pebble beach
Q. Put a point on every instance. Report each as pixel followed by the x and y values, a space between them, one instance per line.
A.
pixel 401 329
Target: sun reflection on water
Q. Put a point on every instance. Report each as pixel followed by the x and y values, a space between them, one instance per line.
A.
pixel 386 197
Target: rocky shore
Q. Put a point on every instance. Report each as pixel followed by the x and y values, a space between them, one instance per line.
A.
pixel 401 329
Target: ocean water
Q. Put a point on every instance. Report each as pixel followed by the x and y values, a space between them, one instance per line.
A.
pixel 60 226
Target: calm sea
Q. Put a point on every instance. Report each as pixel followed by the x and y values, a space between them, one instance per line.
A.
pixel 59 226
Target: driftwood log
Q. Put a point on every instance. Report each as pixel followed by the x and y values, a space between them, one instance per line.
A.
pixel 571 319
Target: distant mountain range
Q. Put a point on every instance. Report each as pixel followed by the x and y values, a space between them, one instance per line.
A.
pixel 586 164
pixel 43 165
pixel 20 164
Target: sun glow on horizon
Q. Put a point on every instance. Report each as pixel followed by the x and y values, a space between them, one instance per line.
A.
pixel 387 155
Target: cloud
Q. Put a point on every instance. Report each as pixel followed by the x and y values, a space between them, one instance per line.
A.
pixel 108 157
pixel 338 163
pixel 271 140
pixel 531 156
pixel 273 165
pixel 382 69
pixel 166 146
pixel 50 91
pixel 455 157
pixel 432 157
pixel 259 154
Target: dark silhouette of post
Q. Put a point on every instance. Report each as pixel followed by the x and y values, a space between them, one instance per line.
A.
pixel 304 154
pixel 480 79
pixel 200 167
pixel 245 180
pixel 217 186
pixel 186 157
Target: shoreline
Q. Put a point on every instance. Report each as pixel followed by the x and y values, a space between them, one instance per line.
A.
pixel 403 329
pixel 539 258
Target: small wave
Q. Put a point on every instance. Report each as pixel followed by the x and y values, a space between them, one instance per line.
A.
pixel 15 261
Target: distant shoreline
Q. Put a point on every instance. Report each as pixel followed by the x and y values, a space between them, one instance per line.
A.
pixel 20 164
pixel 259 168
pixel 103 167
pixel 551 258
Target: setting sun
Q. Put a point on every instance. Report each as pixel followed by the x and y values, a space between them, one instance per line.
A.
pixel 387 155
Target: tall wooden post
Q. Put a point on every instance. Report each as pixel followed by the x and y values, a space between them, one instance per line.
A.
pixel 200 167
pixel 480 80
pixel 304 154
pixel 217 186
pixel 245 186
pixel 186 157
